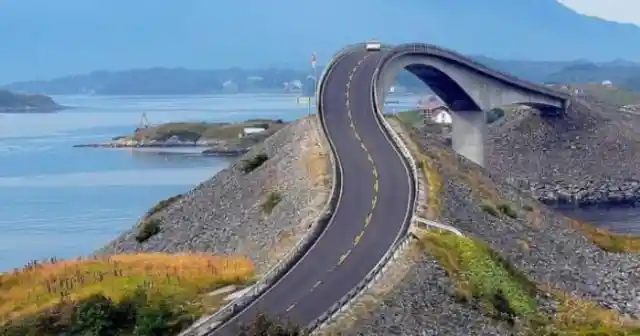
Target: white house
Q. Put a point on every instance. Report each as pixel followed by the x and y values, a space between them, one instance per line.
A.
pixel 442 116
pixel 251 130
pixel 607 83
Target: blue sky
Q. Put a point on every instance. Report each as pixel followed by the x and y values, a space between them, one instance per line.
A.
pixel 624 11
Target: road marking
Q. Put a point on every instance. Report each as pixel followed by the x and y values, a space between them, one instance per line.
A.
pixel 358 136
pixel 373 202
pixel 358 237
pixel 375 172
pixel 343 257
pixel 369 157
pixel 375 185
pixel 353 127
pixel 363 146
pixel 291 307
pixel 367 219
pixel 316 284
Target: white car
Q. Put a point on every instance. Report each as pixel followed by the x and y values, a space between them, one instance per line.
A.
pixel 373 46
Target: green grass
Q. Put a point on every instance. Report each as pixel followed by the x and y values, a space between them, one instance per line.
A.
pixel 193 131
pixel 482 275
pixel 148 228
pixel 272 199
pixel 251 164
pixel 505 293
pixel 409 117
pixel 614 95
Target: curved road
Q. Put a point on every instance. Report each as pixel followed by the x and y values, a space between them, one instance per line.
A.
pixel 375 201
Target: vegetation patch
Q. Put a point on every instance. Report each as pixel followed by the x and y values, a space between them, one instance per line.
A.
pixel 607 240
pixel 251 164
pixel 163 204
pixel 193 131
pixel 148 228
pixel 489 208
pixel 482 275
pixel 507 210
pixel 484 278
pixel 271 201
pixel 135 294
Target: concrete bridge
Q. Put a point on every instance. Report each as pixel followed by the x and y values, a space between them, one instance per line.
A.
pixel 467 87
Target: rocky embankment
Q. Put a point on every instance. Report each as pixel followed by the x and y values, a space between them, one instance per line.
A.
pixel 547 248
pixel 260 213
pixel 586 157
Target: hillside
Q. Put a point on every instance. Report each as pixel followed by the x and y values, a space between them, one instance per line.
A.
pixel 519 268
pixel 258 207
pixel 203 34
pixel 18 103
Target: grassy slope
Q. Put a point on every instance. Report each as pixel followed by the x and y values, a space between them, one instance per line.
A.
pixel 182 278
pixel 194 131
pixel 501 290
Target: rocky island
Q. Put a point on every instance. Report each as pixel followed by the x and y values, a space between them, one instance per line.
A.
pixel 218 138
pixel 26 103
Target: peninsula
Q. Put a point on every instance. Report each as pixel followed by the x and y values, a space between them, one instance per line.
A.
pixel 26 103
pixel 219 138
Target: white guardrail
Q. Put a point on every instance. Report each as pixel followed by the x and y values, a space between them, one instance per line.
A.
pixel 208 324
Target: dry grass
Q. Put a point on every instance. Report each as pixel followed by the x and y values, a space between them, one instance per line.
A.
pixel 316 160
pixel 42 285
pixel 608 241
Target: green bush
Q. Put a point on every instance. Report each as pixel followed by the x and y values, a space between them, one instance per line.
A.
pixel 506 209
pixel 489 208
pixel 271 201
pixel 251 164
pixel 148 228
pixel 136 315
pixel 264 326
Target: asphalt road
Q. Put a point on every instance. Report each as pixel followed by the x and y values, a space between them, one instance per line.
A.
pixel 374 203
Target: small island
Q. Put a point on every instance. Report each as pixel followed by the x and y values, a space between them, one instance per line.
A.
pixel 219 139
pixel 26 103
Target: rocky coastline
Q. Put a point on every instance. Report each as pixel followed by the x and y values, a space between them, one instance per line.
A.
pixel 586 159
pixel 259 212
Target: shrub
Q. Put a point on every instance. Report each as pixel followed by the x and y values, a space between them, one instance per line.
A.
pixel 251 164
pixel 489 208
pixel 506 209
pixel 527 207
pixel 163 204
pixel 264 326
pixel 148 228
pixel 271 201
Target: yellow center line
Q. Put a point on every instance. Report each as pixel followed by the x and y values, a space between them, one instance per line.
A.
pixel 358 237
pixel 343 257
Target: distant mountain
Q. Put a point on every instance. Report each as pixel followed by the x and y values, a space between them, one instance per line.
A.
pixel 46 39
pixel 188 81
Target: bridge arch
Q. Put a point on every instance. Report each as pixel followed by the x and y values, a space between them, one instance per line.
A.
pixel 467 87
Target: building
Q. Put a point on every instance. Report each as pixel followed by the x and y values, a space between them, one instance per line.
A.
pixel 251 130
pixel 442 115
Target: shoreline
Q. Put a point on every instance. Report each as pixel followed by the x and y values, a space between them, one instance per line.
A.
pixel 588 194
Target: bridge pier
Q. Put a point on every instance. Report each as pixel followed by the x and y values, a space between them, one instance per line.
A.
pixel 469 133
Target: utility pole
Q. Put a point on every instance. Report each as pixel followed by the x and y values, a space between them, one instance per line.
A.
pixel 315 80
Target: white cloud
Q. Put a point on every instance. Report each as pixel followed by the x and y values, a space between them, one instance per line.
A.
pixel 626 11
